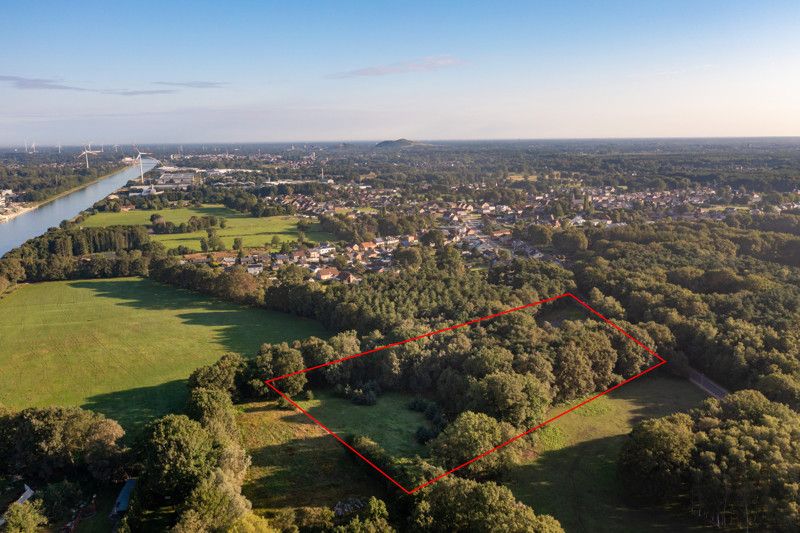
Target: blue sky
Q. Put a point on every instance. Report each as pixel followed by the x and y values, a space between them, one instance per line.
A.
pixel 202 71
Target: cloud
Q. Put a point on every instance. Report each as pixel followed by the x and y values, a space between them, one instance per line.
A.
pixel 426 64
pixel 21 83
pixel 18 82
pixel 193 84
pixel 139 92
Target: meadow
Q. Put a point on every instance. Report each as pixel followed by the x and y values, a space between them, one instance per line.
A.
pixel 572 472
pixel 123 347
pixel 297 464
pixel 255 232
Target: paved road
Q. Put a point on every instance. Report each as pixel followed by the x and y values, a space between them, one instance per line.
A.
pixel 705 383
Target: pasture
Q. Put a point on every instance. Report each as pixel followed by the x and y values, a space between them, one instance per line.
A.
pixel 123 347
pixel 572 473
pixel 255 232
pixel 297 464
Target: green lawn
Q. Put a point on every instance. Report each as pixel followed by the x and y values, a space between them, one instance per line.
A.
pixel 296 464
pixel 389 422
pixel 255 232
pixel 573 474
pixel 122 346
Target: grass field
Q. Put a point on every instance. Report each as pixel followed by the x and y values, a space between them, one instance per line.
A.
pixel 255 232
pixel 123 346
pixel 296 464
pixel 573 475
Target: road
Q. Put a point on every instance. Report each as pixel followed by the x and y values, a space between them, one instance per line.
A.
pixel 702 381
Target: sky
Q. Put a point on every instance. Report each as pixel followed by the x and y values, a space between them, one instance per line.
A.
pixel 260 71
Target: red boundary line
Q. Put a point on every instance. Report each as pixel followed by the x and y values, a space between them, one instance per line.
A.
pixel 661 362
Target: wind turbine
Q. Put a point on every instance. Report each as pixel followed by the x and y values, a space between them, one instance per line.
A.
pixel 141 168
pixel 86 153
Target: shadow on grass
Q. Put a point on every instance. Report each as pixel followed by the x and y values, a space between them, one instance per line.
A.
pixel 240 328
pixel 314 471
pixel 579 485
pixel 133 408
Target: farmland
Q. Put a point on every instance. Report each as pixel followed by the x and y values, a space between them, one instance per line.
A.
pixel 573 474
pixel 122 347
pixel 255 232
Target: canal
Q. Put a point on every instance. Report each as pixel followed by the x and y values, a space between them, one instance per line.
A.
pixel 37 221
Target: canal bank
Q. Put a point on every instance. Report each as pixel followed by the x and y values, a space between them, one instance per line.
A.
pixel 37 220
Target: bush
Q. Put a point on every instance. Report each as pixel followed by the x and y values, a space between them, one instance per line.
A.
pixel 60 499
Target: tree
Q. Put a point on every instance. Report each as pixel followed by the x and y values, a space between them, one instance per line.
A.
pixel 469 435
pixel 655 457
pixel 177 453
pixel 213 408
pixel 60 498
pixel 538 234
pixel 372 518
pixel 276 241
pixel 488 359
pixel 433 237
pixel 519 399
pixel 455 504
pixel 215 504
pixel 252 523
pixel 275 360
pixel 606 305
pixel 570 241
pixel 224 375
pixel 237 243
pixel 25 517
pixel 408 257
pixel 54 441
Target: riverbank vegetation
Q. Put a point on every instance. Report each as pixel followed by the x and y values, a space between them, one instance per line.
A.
pixel 40 177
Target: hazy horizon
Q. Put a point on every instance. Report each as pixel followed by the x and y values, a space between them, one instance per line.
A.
pixel 202 72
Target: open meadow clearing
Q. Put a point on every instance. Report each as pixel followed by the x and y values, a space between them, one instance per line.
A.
pixel 255 232
pixel 123 346
pixel 296 464
pixel 573 474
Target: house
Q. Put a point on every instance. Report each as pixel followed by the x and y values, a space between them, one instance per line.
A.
pixel 348 277
pixel 326 248
pixel 255 268
pixel 326 273
pixel 408 240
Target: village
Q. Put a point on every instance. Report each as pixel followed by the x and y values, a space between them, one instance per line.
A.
pixel 482 231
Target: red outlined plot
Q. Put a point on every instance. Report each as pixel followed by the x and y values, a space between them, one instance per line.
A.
pixel 270 383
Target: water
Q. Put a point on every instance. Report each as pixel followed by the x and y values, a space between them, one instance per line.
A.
pixel 33 223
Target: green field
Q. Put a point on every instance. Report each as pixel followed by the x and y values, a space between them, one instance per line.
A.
pixel 296 464
pixel 122 346
pixel 573 474
pixel 255 232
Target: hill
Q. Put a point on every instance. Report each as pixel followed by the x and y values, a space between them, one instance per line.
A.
pixel 399 143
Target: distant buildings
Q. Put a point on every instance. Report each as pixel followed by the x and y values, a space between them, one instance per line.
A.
pixel 175 180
